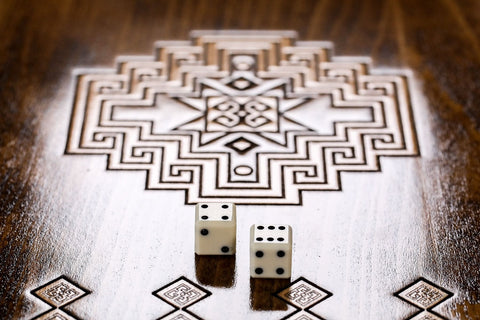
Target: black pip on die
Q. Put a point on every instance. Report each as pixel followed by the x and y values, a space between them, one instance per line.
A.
pixel 270 251
pixel 215 228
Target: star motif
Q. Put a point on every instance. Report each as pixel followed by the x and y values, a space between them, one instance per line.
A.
pixel 244 102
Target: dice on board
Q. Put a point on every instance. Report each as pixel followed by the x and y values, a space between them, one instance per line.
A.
pixel 215 228
pixel 270 251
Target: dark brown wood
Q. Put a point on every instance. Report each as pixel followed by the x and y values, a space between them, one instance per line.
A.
pixel 42 41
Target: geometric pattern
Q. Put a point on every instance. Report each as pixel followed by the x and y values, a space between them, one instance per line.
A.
pixel 59 293
pixel 246 117
pixel 181 294
pixel 303 295
pixel 427 315
pixel 424 295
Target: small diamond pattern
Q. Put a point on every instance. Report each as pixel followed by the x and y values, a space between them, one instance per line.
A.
pixel 302 315
pixel 424 295
pixel 181 294
pixel 58 293
pixel 55 315
pixel 303 295
pixel 179 315
pixel 241 145
pixel 425 315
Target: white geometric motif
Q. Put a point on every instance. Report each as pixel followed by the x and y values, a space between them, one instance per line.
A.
pixel 302 315
pixel 249 117
pixel 57 314
pixel 425 315
pixel 179 315
pixel 181 294
pixel 59 292
pixel 303 295
pixel 424 295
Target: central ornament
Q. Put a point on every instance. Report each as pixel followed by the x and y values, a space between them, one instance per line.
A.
pixel 242 113
pixel 252 118
pixel 242 101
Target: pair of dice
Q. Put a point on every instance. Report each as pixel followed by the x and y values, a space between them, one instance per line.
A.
pixel 270 245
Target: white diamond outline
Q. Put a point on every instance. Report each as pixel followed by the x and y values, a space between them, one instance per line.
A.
pixel 324 293
pixel 62 279
pixel 47 315
pixel 402 294
pixel 302 313
pixel 204 293
pixel 299 308
pixel 60 307
pixel 177 312
pixel 423 313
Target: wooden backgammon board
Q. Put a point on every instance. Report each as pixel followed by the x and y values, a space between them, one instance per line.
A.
pixel 354 122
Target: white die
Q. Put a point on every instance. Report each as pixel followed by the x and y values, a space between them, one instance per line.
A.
pixel 215 228
pixel 270 251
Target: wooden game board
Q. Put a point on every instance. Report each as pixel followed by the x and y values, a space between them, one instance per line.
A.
pixel 354 122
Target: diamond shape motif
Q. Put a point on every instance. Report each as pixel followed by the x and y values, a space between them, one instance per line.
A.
pixel 179 315
pixel 302 315
pixel 303 294
pixel 56 314
pixel 424 294
pixel 241 84
pixel 181 293
pixel 426 316
pixel 241 145
pixel 59 292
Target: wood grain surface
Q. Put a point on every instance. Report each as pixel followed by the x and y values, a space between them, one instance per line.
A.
pixel 42 41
